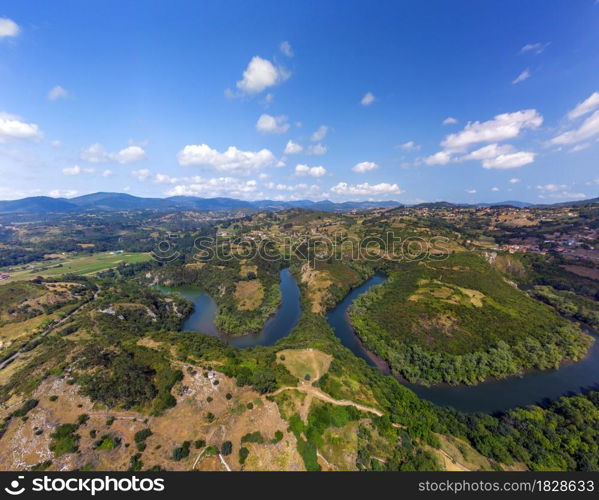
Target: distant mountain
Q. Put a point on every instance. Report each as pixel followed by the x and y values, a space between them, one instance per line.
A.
pixel 112 202
pixel 511 203
pixel 37 204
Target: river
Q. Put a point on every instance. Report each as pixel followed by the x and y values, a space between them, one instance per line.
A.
pixel 277 327
pixel 488 397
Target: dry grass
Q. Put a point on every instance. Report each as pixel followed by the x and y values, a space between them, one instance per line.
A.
pixel 249 295
pixel 302 362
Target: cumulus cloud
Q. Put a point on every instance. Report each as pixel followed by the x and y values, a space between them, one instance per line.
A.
pixel 525 75
pixel 217 186
pixel 165 179
pixel 259 75
pixel 62 193
pixel 142 174
pixel 501 127
pixel 471 191
pixel 231 160
pixel 409 146
pixel 292 148
pixel 302 170
pixel 500 156
pixel 366 189
pixel 364 166
pixel 317 149
pixel 450 120
pixel 8 28
pixel 561 191
pixel 97 154
pixel 107 173
pixel 494 189
pixel 439 158
pixel 285 48
pixel 319 134
pixel 268 124
pixel 537 48
pixel 584 107
pixel 514 180
pixel 57 92
pixel 589 128
pixel 75 170
pixel 367 99
pixel 13 128
pixel 131 154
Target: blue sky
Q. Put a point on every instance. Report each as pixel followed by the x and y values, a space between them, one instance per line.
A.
pixel 463 101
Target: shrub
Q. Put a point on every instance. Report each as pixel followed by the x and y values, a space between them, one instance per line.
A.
pixel 226 448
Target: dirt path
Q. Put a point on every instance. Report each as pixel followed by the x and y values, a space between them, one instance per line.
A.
pixel 323 396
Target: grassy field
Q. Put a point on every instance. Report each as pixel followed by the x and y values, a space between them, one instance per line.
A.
pixel 72 264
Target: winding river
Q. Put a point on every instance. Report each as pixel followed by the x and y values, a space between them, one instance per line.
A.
pixel 488 397
pixel 277 327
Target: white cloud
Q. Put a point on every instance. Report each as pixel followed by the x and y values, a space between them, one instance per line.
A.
pixel 494 189
pixel 537 48
pixel 525 75
pixel 471 191
pixel 584 107
pixel 560 191
pixel 514 180
pixel 165 179
pixel 97 154
pixel 366 189
pixel 319 134
pixel 551 188
pixel 272 124
pixel 439 158
pixel 409 146
pixel 317 149
pixel 501 127
pixel 365 166
pixel 302 170
pixel 12 128
pixel 63 193
pixel 75 170
pixel 588 129
pixel 130 154
pixel 58 92
pixel 142 174
pixel 286 49
pixel 231 160
pixel 259 75
pixel 500 156
pixel 368 99
pixel 107 173
pixel 56 143
pixel 218 186
pixel 580 147
pixel 8 28
pixel 450 120
pixel 292 148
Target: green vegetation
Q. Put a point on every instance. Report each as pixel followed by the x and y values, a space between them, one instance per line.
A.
pixel 182 451
pixel 253 437
pixel 458 321
pixel 569 304
pixel 64 440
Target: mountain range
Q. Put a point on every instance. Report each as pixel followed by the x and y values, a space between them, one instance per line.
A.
pixel 107 202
